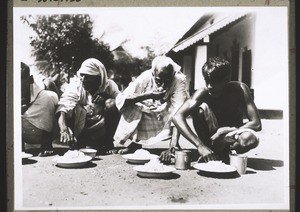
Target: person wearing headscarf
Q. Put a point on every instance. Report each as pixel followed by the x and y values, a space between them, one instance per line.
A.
pixel 148 104
pixel 86 110
pixel 38 105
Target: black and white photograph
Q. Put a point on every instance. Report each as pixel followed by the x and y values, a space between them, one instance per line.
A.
pixel 151 108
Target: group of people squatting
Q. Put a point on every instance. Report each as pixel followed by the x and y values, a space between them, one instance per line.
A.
pixel 92 111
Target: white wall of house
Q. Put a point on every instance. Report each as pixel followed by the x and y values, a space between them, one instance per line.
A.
pixel 266 35
pixel 200 59
pixel 270 59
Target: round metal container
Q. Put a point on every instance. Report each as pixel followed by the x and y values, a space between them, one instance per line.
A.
pixel 182 159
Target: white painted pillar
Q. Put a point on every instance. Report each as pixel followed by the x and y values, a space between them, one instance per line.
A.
pixel 200 59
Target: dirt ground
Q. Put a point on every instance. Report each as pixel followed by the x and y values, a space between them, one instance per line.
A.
pixel 109 182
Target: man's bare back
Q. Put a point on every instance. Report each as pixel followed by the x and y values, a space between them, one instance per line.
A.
pixel 230 106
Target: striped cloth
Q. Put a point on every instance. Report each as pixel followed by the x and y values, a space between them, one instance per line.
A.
pixel 137 124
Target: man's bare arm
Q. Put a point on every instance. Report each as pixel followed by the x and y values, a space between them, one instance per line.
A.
pixel 167 154
pixel 254 122
pixel 66 134
pixel 180 122
pixel 139 98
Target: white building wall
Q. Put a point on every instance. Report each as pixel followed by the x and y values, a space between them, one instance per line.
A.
pixel 266 35
pixel 270 59
pixel 200 59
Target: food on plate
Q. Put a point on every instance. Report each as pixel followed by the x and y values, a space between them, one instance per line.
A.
pixel 154 168
pixel 141 153
pixel 154 165
pixel 139 156
pixel 217 166
pixel 72 159
pixel 73 154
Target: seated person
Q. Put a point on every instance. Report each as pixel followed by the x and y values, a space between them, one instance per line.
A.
pixel 217 111
pixel 87 112
pixel 148 104
pixel 38 112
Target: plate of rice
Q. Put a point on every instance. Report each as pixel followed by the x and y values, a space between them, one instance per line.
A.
pixel 215 167
pixel 72 159
pixel 140 156
pixel 154 169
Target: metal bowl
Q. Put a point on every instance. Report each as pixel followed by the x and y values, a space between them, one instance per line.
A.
pixel 89 152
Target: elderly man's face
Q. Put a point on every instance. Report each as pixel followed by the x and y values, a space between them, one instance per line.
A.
pixel 164 77
pixel 90 83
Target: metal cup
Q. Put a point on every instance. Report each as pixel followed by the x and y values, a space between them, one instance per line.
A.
pixel 182 159
pixel 239 162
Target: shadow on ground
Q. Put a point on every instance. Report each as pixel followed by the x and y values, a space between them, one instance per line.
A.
pixel 170 176
pixel 28 161
pixel 264 164
pixel 57 151
pixel 219 175
pixel 86 166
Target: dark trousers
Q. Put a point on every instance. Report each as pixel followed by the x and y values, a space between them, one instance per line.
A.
pixel 33 135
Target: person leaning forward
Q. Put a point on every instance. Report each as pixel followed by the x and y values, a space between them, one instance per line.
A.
pixel 86 110
pixel 217 111
pixel 148 104
pixel 38 111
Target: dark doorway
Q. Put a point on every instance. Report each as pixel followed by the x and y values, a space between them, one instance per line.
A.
pixel 235 60
pixel 246 67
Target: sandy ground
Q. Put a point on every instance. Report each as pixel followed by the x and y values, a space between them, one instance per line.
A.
pixel 110 182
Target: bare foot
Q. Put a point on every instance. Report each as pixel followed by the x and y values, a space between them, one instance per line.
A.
pixel 46 153
pixel 46 150
pixel 112 151
pixel 126 151
pixel 130 149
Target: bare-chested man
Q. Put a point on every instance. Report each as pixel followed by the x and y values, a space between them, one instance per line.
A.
pixel 217 111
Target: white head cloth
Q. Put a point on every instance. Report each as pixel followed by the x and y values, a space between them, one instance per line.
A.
pixel 163 61
pixel 94 67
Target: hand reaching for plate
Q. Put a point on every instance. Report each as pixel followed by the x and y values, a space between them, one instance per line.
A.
pixel 67 136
